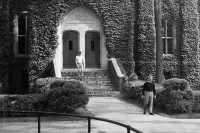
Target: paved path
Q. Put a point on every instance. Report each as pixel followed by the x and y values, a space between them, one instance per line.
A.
pixel 127 113
pixel 110 108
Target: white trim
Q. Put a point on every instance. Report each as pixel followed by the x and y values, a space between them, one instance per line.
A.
pixel 16 35
pixel 167 38
pixel 82 26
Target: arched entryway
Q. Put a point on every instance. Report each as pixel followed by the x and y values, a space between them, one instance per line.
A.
pixel 92 49
pixel 80 30
pixel 70 48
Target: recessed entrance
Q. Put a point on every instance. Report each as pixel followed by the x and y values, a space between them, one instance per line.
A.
pixel 80 30
pixel 70 48
pixel 92 50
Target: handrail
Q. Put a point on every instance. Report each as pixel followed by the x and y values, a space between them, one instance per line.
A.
pixel 117 76
pixel 39 113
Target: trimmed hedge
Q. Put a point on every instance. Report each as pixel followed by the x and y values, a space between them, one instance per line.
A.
pixel 42 85
pixel 177 96
pixel 196 105
pixel 20 103
pixel 173 96
pixel 62 96
pixel 176 84
pixel 175 101
pixel 133 89
pixel 66 96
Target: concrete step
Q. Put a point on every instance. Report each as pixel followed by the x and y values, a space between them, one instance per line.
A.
pixel 97 83
pixel 88 78
pixel 102 93
pixel 100 87
pixel 86 74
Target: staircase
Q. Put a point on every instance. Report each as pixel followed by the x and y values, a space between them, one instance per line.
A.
pixel 97 82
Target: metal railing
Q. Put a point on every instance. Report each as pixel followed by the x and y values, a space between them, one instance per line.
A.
pixel 89 118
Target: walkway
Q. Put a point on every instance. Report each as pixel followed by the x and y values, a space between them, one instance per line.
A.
pixel 127 113
pixel 110 108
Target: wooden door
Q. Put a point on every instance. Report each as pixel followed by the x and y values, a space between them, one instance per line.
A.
pixel 70 49
pixel 92 50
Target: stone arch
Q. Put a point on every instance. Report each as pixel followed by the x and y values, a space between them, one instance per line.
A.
pixel 81 19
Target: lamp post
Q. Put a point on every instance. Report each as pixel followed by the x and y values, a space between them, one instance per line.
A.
pixel 159 47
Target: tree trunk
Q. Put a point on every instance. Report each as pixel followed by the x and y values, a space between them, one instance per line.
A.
pixel 159 47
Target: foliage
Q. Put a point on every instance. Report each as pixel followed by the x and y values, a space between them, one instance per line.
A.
pixel 145 52
pixel 46 18
pixel 5 46
pixel 177 96
pixel 120 21
pixel 43 84
pixel 170 64
pixel 196 105
pixel 62 96
pixel 175 101
pixel 176 84
pixel 65 96
pixel 190 41
pixel 173 96
pixel 133 89
pixel 20 103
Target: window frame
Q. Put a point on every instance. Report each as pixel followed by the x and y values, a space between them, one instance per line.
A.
pixel 17 35
pixel 167 38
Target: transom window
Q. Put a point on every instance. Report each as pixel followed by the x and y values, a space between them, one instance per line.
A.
pixel 21 34
pixel 168 36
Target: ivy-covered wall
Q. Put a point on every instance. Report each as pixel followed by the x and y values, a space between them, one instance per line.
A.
pixel 129 28
pixel 184 62
pixel 45 16
pixel 145 45
pixel 5 46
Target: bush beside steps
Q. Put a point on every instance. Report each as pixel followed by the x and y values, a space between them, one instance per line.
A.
pixel 61 96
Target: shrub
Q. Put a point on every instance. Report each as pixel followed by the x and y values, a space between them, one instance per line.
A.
pixel 20 103
pixel 43 84
pixel 196 105
pixel 175 101
pixel 177 96
pixel 65 96
pixel 62 96
pixel 133 89
pixel 176 84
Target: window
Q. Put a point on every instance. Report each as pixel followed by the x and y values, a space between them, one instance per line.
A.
pixel 168 36
pixel 70 45
pixel 92 45
pixel 167 75
pixel 21 34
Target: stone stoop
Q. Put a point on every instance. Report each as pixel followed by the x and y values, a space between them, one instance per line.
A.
pixel 97 82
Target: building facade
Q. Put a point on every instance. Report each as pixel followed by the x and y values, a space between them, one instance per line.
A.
pixel 36 34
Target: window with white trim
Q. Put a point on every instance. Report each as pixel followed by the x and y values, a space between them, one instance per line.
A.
pixel 21 34
pixel 168 36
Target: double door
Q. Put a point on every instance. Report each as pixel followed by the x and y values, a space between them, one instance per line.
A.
pixel 92 50
pixel 71 48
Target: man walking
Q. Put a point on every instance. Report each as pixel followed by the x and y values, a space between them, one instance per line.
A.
pixel 148 93
pixel 80 65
